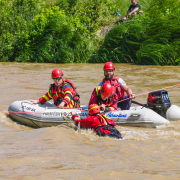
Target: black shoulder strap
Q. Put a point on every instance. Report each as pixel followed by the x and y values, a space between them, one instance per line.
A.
pixel 51 86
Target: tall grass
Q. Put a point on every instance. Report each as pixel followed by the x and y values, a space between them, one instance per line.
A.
pixel 152 38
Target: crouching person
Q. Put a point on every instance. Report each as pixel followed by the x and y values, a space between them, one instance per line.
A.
pixel 105 97
pixel 101 124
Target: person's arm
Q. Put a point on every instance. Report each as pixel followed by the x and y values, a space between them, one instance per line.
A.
pixel 93 99
pixel 76 119
pixel 100 84
pixel 128 91
pixel 68 95
pixel 34 101
pixel 129 10
pixel 86 122
pixel 133 11
pixel 126 88
pixel 127 14
pixel 61 105
pixel 112 106
pixel 43 99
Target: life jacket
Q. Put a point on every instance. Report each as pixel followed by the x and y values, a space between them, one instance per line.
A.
pixel 114 82
pixel 99 99
pixel 106 120
pixel 110 126
pixel 57 95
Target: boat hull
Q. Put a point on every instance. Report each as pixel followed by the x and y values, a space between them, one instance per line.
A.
pixel 47 115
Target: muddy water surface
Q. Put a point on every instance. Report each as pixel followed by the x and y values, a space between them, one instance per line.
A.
pixel 62 153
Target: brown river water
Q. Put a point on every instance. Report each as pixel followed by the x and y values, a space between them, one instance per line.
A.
pixel 60 152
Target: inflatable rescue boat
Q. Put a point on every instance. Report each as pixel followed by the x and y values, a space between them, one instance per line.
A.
pixel 152 114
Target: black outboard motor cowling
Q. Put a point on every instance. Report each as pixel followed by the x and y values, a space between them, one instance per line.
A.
pixel 159 102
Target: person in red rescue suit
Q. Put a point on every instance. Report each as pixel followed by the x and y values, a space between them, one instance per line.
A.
pixel 62 91
pixel 101 124
pixel 120 86
pixel 105 97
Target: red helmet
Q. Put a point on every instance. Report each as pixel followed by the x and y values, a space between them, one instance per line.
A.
pixel 93 109
pixel 106 89
pixel 57 73
pixel 109 65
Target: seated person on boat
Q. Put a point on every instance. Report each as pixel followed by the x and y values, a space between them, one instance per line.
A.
pixel 101 124
pixel 105 97
pixel 119 85
pixel 62 91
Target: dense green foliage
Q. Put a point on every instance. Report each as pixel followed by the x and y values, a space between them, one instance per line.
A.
pixel 52 31
pixel 67 31
pixel 153 38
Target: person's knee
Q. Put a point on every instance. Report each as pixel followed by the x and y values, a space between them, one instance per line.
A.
pixel 141 12
pixel 123 18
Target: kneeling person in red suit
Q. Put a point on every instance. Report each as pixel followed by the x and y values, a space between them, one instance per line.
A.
pixel 101 124
pixel 105 97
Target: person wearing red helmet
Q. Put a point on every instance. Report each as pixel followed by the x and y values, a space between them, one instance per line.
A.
pixel 101 124
pixel 62 91
pixel 105 97
pixel 119 85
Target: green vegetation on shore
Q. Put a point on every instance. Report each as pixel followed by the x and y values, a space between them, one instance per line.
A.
pixel 153 38
pixel 70 31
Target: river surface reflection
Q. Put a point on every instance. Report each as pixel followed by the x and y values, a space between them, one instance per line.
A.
pixel 62 153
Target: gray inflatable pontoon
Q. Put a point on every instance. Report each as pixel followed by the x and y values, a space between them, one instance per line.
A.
pixel 47 115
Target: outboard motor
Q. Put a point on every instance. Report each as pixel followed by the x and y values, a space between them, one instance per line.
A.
pixel 159 102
